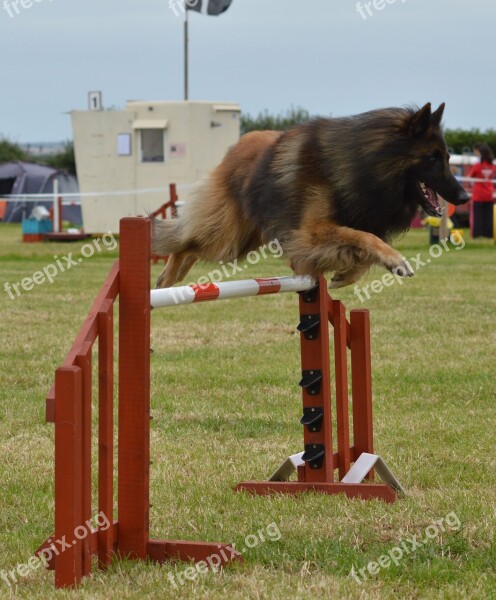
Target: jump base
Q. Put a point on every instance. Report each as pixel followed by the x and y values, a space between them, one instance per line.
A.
pixel 362 491
pixel 163 551
pixel 159 551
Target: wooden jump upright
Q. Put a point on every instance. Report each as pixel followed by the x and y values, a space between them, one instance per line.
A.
pixel 69 407
pixel 322 457
pixel 161 212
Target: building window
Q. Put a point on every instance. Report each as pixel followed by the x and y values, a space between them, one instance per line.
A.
pixel 152 145
pixel 124 144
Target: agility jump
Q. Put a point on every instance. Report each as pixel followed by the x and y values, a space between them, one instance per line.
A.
pixel 69 406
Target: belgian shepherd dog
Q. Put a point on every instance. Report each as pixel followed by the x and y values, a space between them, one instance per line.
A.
pixel 333 192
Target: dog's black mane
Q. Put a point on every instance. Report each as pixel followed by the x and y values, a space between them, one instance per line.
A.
pixel 368 166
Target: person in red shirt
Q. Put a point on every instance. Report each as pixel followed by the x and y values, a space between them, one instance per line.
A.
pixel 481 221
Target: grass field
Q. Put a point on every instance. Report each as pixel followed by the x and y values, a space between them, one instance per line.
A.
pixel 226 407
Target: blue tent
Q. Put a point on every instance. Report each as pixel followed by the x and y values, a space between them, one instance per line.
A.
pixel 29 178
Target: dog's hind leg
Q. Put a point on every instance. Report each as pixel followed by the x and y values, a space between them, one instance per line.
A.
pixel 176 265
pixel 185 268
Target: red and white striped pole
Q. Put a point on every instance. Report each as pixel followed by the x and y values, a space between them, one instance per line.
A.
pixel 228 289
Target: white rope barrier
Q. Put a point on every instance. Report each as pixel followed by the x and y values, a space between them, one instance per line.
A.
pixel 49 196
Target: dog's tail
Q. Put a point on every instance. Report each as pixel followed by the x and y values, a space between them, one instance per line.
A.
pixel 167 237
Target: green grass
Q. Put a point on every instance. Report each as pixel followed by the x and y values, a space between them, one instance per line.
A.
pixel 226 407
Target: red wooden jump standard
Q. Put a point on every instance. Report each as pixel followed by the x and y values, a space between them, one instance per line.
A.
pixel 317 309
pixel 69 405
pixel 162 213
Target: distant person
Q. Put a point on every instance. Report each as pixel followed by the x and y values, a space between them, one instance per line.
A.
pixel 481 222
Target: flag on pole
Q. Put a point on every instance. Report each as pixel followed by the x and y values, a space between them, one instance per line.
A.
pixel 208 7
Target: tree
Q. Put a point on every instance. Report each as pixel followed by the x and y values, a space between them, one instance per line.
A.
pixel 64 160
pixel 264 120
pixel 11 151
pixel 462 140
pixel 459 140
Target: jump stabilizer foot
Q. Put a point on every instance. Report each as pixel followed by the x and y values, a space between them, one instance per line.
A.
pixel 351 485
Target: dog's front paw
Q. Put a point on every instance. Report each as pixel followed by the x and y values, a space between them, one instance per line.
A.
pixel 398 265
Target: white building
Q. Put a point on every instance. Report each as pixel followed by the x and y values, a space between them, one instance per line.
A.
pixel 146 145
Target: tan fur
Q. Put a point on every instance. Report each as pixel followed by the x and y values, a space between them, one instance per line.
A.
pixel 326 246
pixel 321 245
pixel 212 227
pixel 286 161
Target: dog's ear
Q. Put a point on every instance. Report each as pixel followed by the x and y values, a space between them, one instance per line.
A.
pixel 438 115
pixel 421 121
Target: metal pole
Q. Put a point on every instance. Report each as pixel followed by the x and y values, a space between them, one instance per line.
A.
pixel 186 57
pixel 56 207
pixel 443 226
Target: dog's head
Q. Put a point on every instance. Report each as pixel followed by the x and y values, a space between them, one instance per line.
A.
pixel 429 172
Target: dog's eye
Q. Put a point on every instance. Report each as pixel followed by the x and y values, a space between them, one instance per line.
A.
pixel 434 159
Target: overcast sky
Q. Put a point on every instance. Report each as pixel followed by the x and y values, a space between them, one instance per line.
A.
pixel 318 54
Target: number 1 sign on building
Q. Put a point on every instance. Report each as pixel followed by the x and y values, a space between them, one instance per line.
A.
pixel 95 101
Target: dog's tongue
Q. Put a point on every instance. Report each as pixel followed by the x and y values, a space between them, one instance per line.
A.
pixel 431 198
